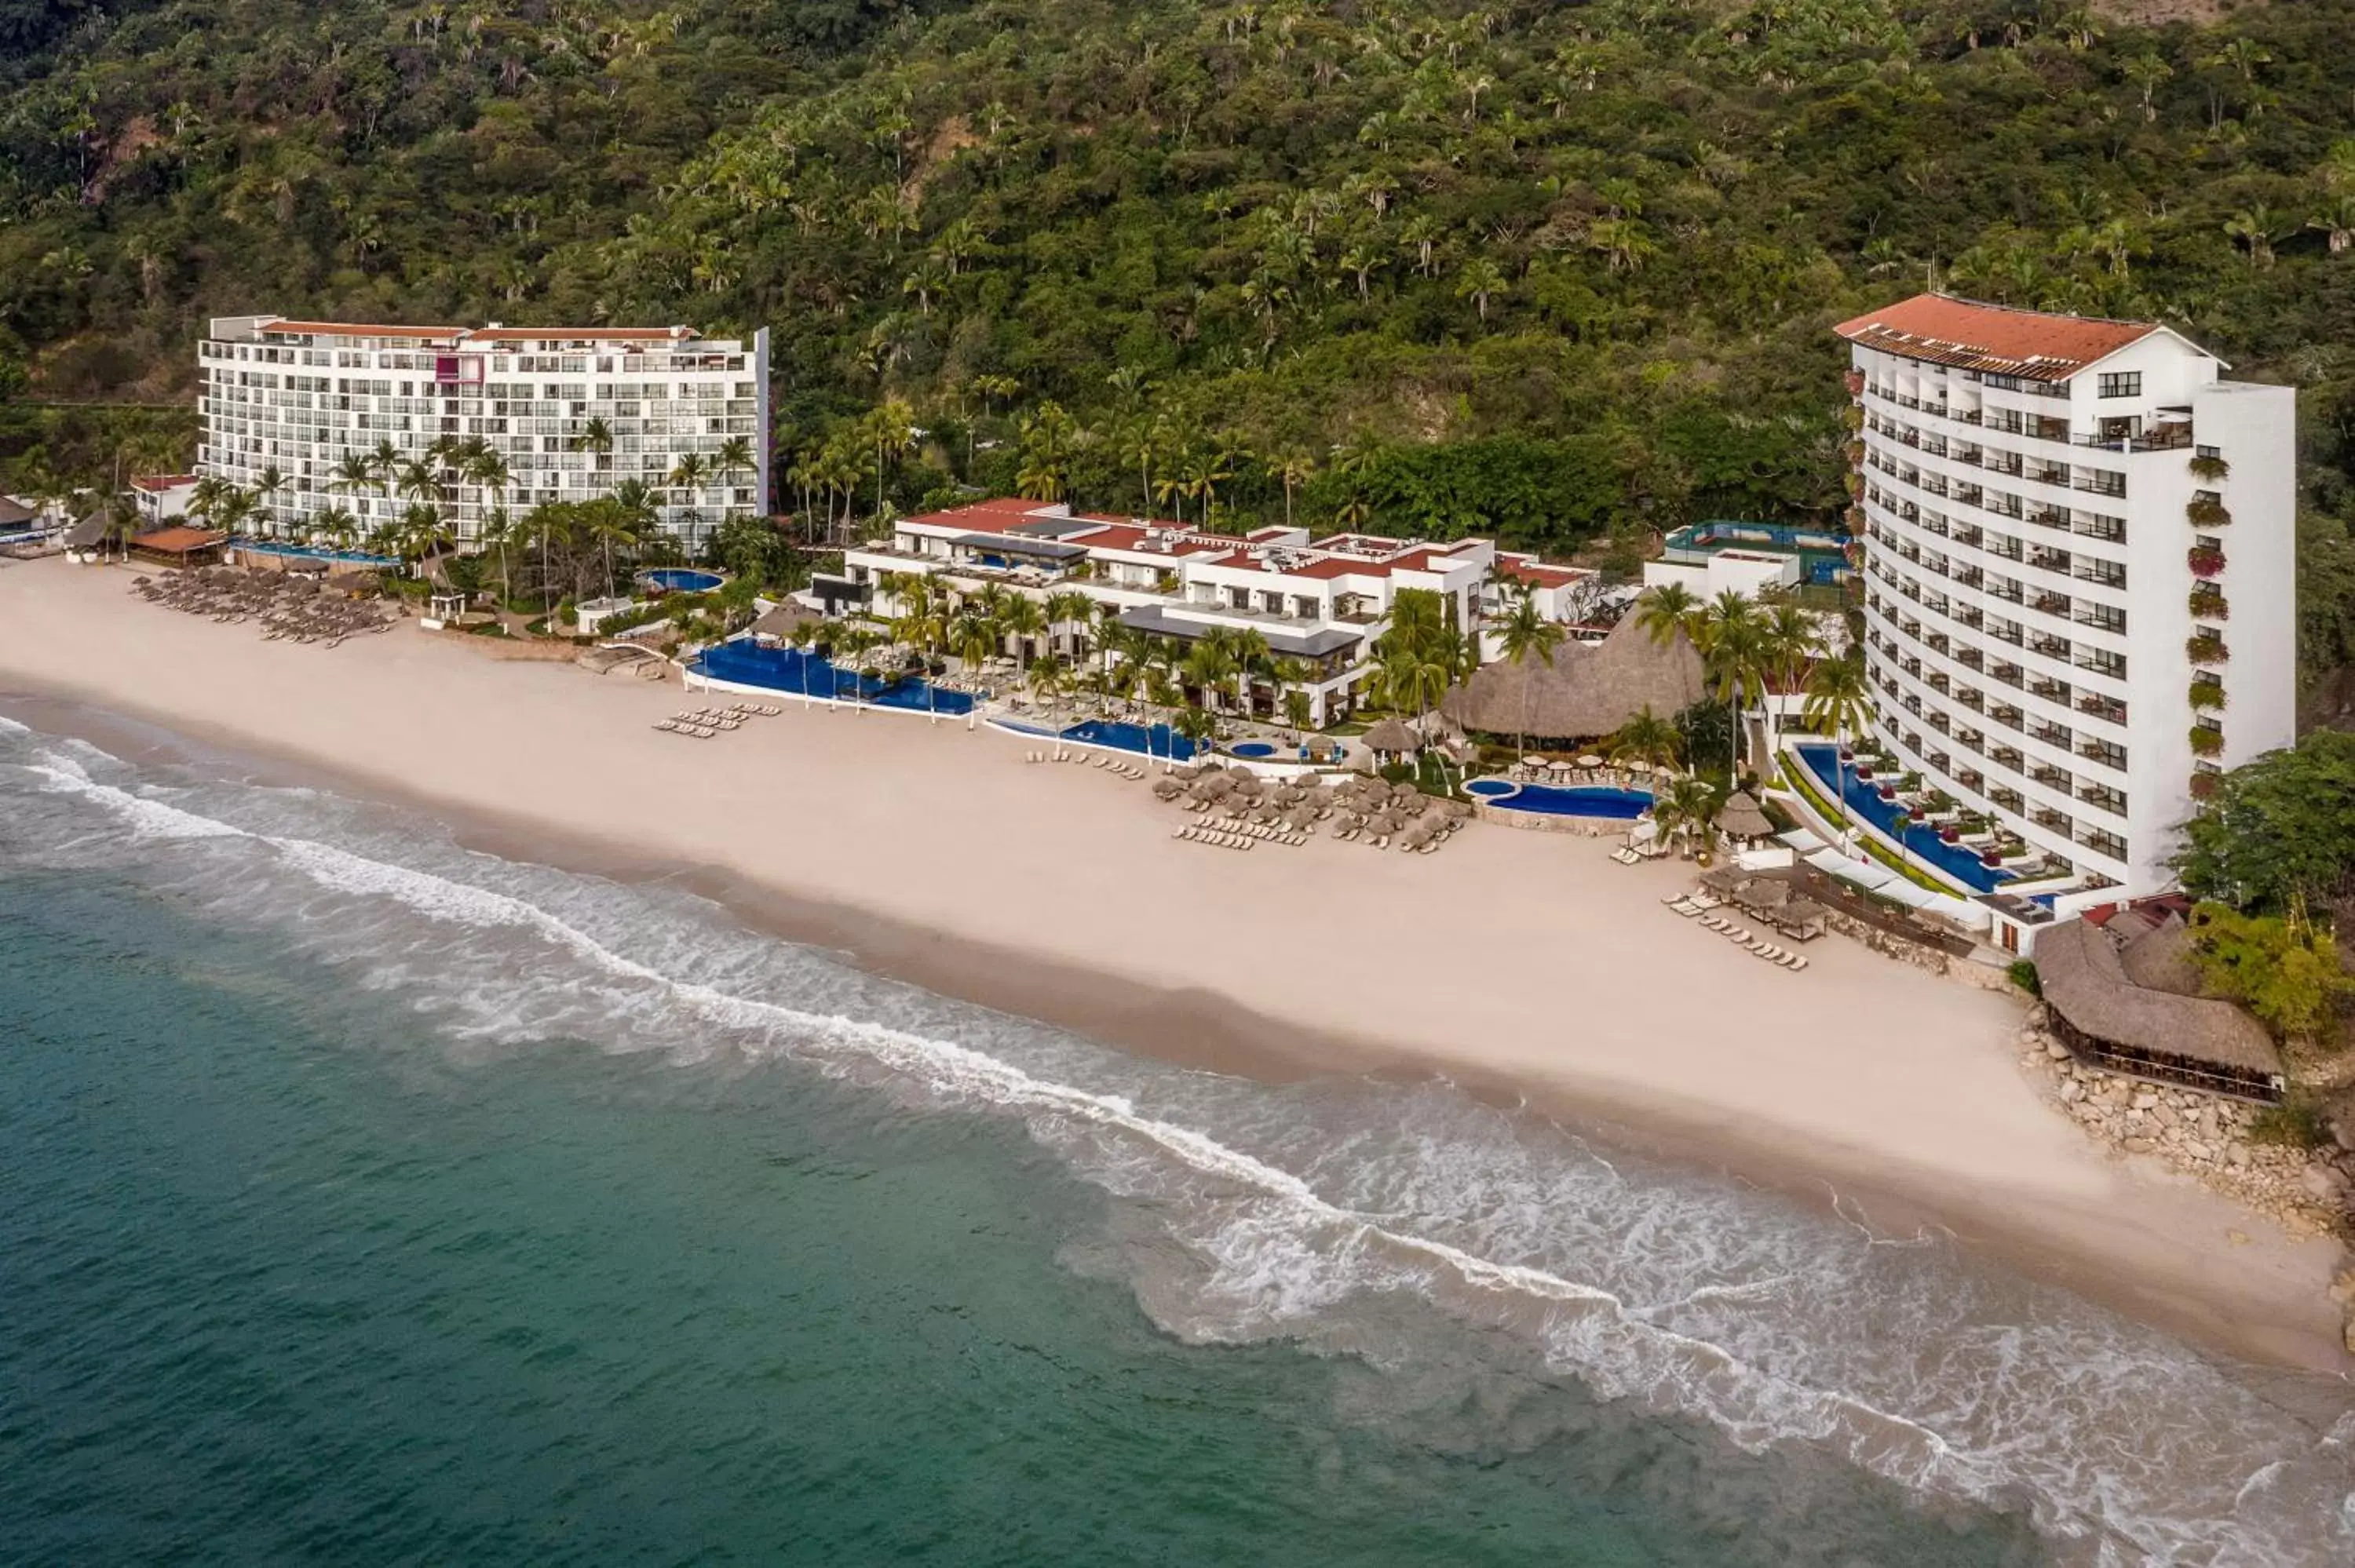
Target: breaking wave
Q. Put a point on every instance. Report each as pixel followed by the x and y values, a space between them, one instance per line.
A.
pixel 1307 1212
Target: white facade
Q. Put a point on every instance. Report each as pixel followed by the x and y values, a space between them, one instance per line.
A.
pixel 302 397
pixel 1321 602
pixel 163 498
pixel 2038 525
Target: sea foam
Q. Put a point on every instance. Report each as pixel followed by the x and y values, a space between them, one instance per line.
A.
pixel 1693 1298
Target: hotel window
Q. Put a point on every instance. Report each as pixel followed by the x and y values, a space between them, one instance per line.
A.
pixel 2121 384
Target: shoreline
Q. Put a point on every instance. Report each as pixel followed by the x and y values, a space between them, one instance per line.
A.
pixel 2153 1246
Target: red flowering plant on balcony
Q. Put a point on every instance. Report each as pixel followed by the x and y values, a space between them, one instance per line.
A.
pixel 1856 382
pixel 2205 561
pixel 2203 785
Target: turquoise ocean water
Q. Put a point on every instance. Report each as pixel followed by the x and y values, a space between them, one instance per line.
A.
pixel 367 1199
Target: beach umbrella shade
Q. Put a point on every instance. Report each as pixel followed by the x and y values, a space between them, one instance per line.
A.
pixel 1588 759
pixel 1742 817
pixel 1382 823
pixel 1168 788
pixel 1390 734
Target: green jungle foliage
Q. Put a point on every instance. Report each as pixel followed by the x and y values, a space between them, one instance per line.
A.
pixel 1562 272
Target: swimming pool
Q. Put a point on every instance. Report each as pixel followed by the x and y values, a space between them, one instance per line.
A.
pixel 311 553
pixel 798 673
pixel 1556 801
pixel 1159 741
pixel 1252 749
pixel 1958 861
pixel 682 580
pixel 1823 555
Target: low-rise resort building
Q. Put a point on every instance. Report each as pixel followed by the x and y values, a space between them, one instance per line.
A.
pixel 1320 603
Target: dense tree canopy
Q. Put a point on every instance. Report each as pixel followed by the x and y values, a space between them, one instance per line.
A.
pixel 1552 270
pixel 2279 830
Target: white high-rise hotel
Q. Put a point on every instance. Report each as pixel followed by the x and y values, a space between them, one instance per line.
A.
pixel 300 397
pixel 2081 589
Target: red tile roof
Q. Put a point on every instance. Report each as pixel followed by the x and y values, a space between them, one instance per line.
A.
pixel 1943 330
pixel 598 334
pixel 1541 574
pixel 176 541
pixel 157 481
pixel 359 329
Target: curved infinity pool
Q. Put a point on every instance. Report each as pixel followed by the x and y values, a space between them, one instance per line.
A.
pixel 1554 801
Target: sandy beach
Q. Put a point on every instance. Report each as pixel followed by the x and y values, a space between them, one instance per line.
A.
pixel 1515 962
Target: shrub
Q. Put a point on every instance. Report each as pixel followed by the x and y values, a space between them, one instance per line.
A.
pixel 2203 649
pixel 2022 973
pixel 2209 469
pixel 2206 742
pixel 2207 694
pixel 2297 1122
pixel 2209 603
pixel 2207 512
pixel 2204 561
pixel 2204 785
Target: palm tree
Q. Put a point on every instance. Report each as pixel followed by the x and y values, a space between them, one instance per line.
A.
pixel 268 485
pixel 1209 665
pixel 972 637
pixel 1479 278
pixel 609 522
pixel 594 437
pixel 1526 631
pixel 735 457
pixel 1732 644
pixel 1292 469
pixel 487 470
pixel 543 525
pixel 1839 696
pixel 1072 608
pixel 1665 610
pixel 1646 738
pixel 1022 619
pixel 354 475
pixel 1689 806
pixel 1791 640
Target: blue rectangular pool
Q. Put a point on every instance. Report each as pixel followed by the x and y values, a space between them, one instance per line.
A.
pixel 1956 860
pixel 799 674
pixel 1159 742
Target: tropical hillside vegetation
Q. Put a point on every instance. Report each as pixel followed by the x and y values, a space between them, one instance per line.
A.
pixel 1562 272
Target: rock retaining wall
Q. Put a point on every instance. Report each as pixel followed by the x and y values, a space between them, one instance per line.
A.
pixel 2206 1137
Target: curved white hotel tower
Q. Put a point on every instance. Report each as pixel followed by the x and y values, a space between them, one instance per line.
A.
pixel 300 397
pixel 2080 594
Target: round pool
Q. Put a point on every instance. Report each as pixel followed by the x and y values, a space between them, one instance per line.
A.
pixel 1493 788
pixel 682 580
pixel 1252 749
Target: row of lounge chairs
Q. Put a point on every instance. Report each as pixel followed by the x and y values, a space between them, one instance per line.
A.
pixel 703 724
pixel 288 609
pixel 1696 906
pixel 1109 764
pixel 1194 833
pixel 1261 832
pixel 1633 854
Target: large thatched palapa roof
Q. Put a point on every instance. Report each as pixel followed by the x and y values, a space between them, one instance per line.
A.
pixel 1590 689
pixel 2085 981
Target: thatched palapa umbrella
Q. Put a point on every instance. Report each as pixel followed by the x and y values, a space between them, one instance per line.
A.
pixel 1742 818
pixel 1392 736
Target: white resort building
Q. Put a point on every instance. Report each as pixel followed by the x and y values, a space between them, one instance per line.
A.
pixel 1321 602
pixel 2080 599
pixel 302 397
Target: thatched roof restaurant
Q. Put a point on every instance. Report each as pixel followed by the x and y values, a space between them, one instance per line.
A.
pixel 178 547
pixel 1590 689
pixel 2101 1011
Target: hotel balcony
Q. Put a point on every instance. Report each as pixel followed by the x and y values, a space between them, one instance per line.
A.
pixel 2051 690
pixel 2108 753
pixel 2057 822
pixel 2053 735
pixel 2106 709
